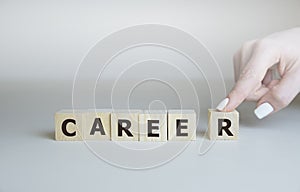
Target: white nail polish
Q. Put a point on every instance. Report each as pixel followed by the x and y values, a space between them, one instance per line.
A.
pixel 263 110
pixel 222 104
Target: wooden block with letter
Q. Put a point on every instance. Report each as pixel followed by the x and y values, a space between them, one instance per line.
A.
pixel 97 125
pixel 153 125
pixel 68 125
pixel 181 125
pixel 223 125
pixel 125 125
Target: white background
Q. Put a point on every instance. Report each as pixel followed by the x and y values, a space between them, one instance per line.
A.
pixel 43 42
pixel 48 39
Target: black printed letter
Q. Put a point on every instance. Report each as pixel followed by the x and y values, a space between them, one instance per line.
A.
pixel 225 128
pixel 151 127
pixel 64 127
pixel 97 126
pixel 124 128
pixel 179 126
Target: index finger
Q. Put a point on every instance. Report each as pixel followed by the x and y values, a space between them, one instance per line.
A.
pixel 252 76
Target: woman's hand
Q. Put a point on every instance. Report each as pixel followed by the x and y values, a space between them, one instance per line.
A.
pixel 254 66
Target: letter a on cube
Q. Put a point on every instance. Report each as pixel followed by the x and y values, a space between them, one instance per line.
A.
pixel 223 125
pixel 97 125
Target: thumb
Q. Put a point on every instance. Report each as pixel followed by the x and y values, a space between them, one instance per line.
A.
pixel 279 96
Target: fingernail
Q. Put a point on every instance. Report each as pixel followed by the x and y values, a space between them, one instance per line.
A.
pixel 263 110
pixel 222 104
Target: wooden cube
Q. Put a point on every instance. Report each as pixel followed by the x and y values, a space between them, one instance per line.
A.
pixel 181 125
pixel 68 125
pixel 97 126
pixel 125 125
pixel 153 125
pixel 223 125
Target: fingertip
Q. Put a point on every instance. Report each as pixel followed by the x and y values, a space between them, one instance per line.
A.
pixel 225 105
pixel 222 105
pixel 234 101
pixel 263 110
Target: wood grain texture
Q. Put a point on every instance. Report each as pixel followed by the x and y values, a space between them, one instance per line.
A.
pixel 68 125
pixel 129 121
pixel 153 126
pixel 97 126
pixel 181 125
pixel 223 125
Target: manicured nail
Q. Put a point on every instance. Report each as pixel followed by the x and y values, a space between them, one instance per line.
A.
pixel 223 104
pixel 263 110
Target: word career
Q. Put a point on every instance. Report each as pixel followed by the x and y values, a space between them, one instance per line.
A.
pixel 138 125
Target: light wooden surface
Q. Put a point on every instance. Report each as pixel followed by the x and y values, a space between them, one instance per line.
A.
pixel 181 125
pixel 68 125
pixel 134 125
pixel 97 126
pixel 223 125
pixel 132 117
pixel 156 119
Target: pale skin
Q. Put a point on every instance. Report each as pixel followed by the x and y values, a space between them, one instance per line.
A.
pixel 254 65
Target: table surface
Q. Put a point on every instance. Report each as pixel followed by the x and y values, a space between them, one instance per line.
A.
pixel 265 158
